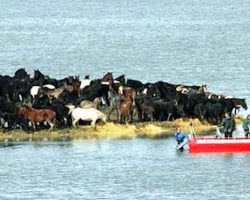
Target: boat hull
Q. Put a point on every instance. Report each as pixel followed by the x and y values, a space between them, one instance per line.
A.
pixel 212 145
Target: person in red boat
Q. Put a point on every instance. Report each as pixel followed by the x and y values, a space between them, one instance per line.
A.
pixel 228 125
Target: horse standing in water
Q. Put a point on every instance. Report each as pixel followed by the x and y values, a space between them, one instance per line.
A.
pixel 38 115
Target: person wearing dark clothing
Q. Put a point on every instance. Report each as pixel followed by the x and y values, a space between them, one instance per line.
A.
pixel 228 125
pixel 246 125
pixel 180 137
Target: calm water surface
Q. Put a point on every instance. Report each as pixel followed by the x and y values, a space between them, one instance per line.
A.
pixel 120 169
pixel 192 42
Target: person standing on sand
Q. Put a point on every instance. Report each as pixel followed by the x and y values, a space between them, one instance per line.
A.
pixel 246 125
pixel 228 125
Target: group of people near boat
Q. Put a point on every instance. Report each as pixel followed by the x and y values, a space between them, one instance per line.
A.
pixel 228 126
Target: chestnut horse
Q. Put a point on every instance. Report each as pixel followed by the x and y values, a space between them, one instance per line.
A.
pixel 127 93
pixel 91 104
pixel 108 78
pixel 76 84
pixel 38 115
pixel 126 108
pixel 126 111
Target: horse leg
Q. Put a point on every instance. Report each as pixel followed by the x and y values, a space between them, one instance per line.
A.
pixel 110 112
pixel 120 117
pixel 131 115
pixel 169 115
pixel 74 121
pixel 117 114
pixel 93 124
pixel 152 117
pixel 123 118
pixel 52 124
pixel 127 119
pixel 33 125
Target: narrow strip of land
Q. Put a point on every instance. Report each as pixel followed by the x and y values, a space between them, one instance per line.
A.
pixel 153 130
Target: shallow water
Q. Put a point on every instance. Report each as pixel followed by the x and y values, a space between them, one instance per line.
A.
pixel 119 169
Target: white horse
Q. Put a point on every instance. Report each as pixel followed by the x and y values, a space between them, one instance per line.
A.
pixel 85 114
pixel 85 83
pixel 35 89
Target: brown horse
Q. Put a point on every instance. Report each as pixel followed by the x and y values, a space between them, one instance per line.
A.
pixel 108 78
pixel 127 93
pixel 91 104
pixel 76 84
pixel 126 111
pixel 202 90
pixel 53 93
pixel 237 103
pixel 57 91
pixel 38 115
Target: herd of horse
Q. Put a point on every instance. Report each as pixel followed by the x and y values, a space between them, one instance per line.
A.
pixel 40 101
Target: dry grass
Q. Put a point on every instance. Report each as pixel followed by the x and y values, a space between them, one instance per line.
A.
pixel 110 130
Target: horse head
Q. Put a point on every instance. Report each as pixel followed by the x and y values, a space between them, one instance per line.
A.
pixel 71 107
pixel 121 79
pixel 108 77
pixel 240 102
pixel 21 74
pixel 213 97
pixel 97 101
pixel 76 84
pixel 203 89
pixel 23 109
pixel 120 90
pixel 182 89
pixel 87 77
pixel 38 75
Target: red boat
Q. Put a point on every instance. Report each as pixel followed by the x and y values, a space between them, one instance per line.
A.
pixel 215 145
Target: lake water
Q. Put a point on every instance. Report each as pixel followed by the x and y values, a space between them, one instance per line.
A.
pixel 120 169
pixel 191 42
